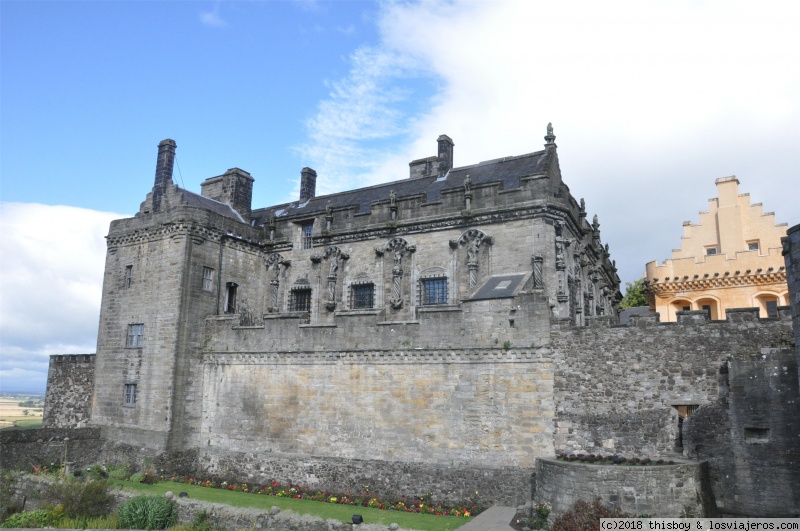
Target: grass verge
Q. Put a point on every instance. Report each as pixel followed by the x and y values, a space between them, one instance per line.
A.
pixel 343 513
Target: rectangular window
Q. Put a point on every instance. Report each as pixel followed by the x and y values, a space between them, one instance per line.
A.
pixel 128 276
pixel 434 291
pixel 135 336
pixel 230 297
pixel 363 296
pixel 711 250
pixel 130 394
pixel 752 246
pixel 300 300
pixel 208 279
pixel 308 240
pixel 772 308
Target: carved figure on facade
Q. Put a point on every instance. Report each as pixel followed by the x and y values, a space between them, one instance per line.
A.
pixel 333 254
pixel 393 204
pixel 274 263
pixel 398 247
pixel 328 215
pixel 473 239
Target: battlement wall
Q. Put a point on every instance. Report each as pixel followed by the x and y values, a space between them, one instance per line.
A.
pixel 617 388
pixel 70 384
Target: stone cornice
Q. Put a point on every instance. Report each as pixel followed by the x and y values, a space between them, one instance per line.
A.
pixel 188 228
pixel 728 281
pixel 381 357
pixel 445 222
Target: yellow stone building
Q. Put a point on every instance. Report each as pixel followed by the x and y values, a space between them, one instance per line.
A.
pixel 730 259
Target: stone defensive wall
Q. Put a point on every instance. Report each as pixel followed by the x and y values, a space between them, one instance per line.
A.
pixel 660 491
pixel 70 384
pixel 617 388
pixel 23 449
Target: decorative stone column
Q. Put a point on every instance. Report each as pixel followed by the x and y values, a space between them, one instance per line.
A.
pixel 538 279
pixel 398 247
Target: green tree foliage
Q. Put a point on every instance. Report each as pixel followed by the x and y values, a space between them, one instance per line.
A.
pixel 635 294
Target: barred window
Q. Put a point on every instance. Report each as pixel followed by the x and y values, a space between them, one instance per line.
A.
pixel 362 296
pixel 434 291
pixel 135 336
pixel 208 279
pixel 130 394
pixel 128 276
pixel 300 300
pixel 308 240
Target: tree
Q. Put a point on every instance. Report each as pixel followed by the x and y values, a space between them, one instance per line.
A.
pixel 635 294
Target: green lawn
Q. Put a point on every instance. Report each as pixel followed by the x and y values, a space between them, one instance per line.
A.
pixel 343 513
pixel 32 423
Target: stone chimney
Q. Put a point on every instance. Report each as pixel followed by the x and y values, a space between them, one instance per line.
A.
pixel 234 187
pixel 308 184
pixel 164 165
pixel 445 154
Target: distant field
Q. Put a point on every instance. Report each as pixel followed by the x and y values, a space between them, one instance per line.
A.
pixel 12 415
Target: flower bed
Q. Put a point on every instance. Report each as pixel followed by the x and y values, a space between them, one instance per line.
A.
pixel 419 504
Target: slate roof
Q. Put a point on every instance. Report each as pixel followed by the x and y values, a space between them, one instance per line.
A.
pixel 196 200
pixel 507 171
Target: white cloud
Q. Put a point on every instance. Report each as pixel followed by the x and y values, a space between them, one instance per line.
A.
pixel 650 102
pixel 212 18
pixel 51 274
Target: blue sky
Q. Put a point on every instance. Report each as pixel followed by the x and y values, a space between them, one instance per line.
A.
pixel 650 101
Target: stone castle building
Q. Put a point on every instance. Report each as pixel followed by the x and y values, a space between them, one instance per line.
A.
pixel 446 332
pixel 731 258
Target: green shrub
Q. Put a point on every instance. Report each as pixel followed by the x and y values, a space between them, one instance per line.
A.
pixel 121 472
pixel 137 477
pixel 35 519
pixel 8 505
pixel 147 512
pixel 85 522
pixel 80 498
pixel 149 477
pixel 585 516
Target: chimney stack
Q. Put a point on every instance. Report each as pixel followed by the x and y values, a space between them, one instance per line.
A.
pixel 164 165
pixel 308 184
pixel 445 154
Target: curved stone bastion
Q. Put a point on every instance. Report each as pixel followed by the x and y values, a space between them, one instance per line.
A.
pixel 682 489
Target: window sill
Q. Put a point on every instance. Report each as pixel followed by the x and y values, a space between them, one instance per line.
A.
pixel 431 308
pixel 358 311
pixel 286 315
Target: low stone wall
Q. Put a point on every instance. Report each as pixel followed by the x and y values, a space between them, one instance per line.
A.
pixel 22 449
pixel 484 486
pixel 680 490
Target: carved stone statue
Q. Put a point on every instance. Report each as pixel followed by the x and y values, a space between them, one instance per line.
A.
pixel 467 184
pixel 392 198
